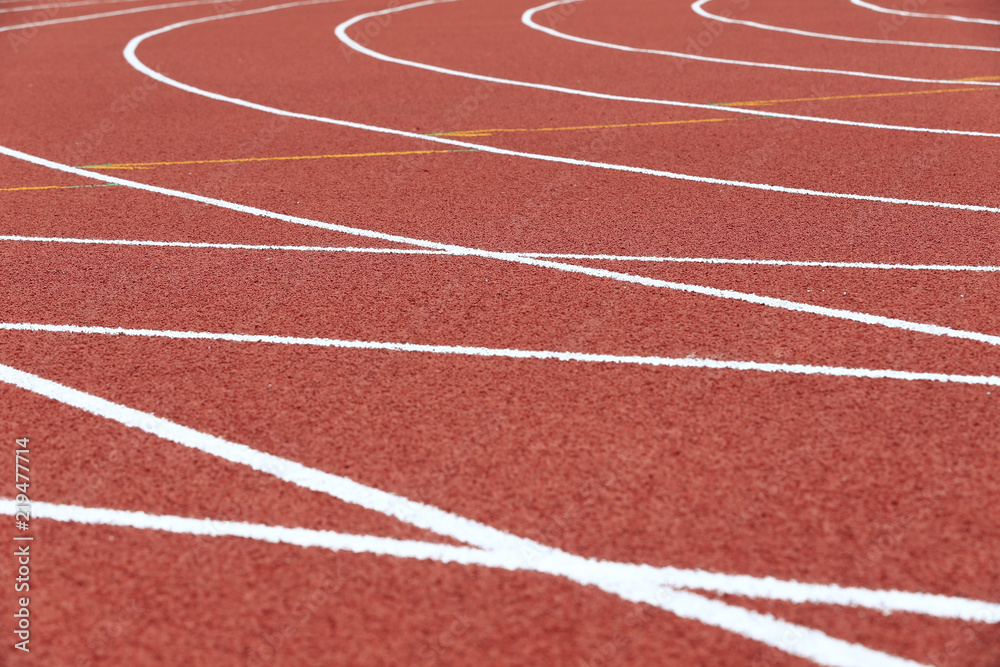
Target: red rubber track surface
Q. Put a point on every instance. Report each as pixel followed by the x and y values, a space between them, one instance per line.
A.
pixel 884 484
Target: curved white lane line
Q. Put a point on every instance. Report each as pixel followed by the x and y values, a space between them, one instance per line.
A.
pixel 950 17
pixel 768 588
pixel 528 19
pixel 628 581
pixel 139 65
pixel 507 353
pixel 537 255
pixel 795 306
pixel 341 32
pixel 120 12
pixel 698 7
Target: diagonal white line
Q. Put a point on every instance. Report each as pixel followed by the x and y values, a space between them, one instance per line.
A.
pixel 626 581
pixel 772 302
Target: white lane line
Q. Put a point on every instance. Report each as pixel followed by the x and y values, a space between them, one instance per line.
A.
pixel 950 17
pixel 769 588
pixel 765 262
pixel 220 246
pixel 698 7
pixel 63 5
pixel 120 12
pixel 341 32
pixel 136 63
pixel 528 19
pixel 625 580
pixel 795 306
pixel 536 255
pixel 478 351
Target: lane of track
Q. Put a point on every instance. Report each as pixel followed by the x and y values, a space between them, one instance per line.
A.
pixel 739 651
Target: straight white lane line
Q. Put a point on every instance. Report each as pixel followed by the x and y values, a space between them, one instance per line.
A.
pixel 489 352
pixel 120 12
pixel 887 601
pixel 528 18
pixel 794 306
pixel 698 7
pixel 625 581
pixel 899 12
pixel 765 262
pixel 341 33
pixel 220 246
pixel 63 5
pixel 536 255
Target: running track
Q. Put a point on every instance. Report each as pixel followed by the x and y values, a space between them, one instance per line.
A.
pixel 481 332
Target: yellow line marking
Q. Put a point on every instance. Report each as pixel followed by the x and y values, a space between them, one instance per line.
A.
pixel 150 165
pixel 486 133
pixel 846 97
pixel 37 187
pixel 57 187
pixel 490 132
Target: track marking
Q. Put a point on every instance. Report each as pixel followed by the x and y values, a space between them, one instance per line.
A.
pixel 765 262
pixel 149 165
pixel 795 306
pixel 950 17
pixel 698 8
pixel 769 588
pixel 133 60
pixel 341 32
pixel 753 103
pixel 629 581
pixel 537 255
pixel 220 246
pixel 772 302
pixel 854 97
pixel 486 133
pixel 63 5
pixel 528 19
pixel 462 350
pixel 58 187
pixel 120 12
